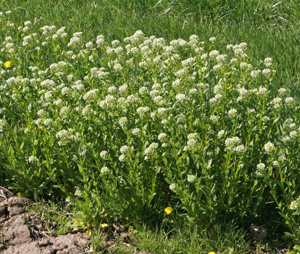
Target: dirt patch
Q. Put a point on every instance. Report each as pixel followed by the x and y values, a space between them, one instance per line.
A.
pixel 18 236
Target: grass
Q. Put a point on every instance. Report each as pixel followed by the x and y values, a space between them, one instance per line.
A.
pixel 184 239
pixel 270 28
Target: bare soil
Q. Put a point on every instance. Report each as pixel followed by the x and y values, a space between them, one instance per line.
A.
pixel 18 236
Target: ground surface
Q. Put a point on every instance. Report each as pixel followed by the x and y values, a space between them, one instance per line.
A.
pixel 21 233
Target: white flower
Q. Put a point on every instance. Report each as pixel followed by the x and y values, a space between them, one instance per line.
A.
pixel 221 133
pixel 164 121
pixel 231 143
pixel 218 97
pixel 162 137
pixel 143 90
pixel 212 39
pixel 104 170
pixel 32 159
pixel 289 101
pixel 269 147
pixel 124 149
pixel 172 186
pixel 218 89
pixel 260 169
pixel 91 95
pixel 212 101
pixel 41 113
pixel 262 91
pixel 104 155
pixel 77 192
pixel 286 139
pixel 180 97
pixel 136 132
pixel 268 61
pixel 142 111
pixel 159 100
pixel 294 205
pixel 123 89
pixel 255 73
pixel 192 136
pixel 265 119
pixel 232 113
pixel 276 100
pixel 282 91
pixel 261 166
pixel 151 149
pixel 193 91
pixel 47 122
pixel 239 149
pixel 267 73
pixel 118 67
pixel 214 118
pixel 214 53
pixel 122 158
pixel 293 134
pixel 191 178
pixel 192 144
pixel 154 93
pixel 123 121
pixel 64 136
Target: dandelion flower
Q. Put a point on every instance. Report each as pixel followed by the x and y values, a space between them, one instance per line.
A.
pixel 104 225
pixel 168 210
pixel 7 64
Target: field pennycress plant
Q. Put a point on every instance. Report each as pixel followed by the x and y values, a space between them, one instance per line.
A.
pixel 130 128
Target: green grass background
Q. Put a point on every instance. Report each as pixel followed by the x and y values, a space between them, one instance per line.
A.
pixel 271 28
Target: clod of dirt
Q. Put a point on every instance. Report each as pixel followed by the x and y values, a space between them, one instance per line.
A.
pixel 18 238
pixel 16 231
pixel 64 244
pixel 16 205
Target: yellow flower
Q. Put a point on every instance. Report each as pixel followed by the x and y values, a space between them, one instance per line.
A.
pixel 211 252
pixel 104 225
pixel 7 64
pixel 89 233
pixel 168 210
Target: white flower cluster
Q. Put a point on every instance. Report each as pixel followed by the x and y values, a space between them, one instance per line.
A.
pixel 234 144
pixel 269 147
pixel 64 136
pixel 295 204
pixel 260 169
pixel 150 151
pixel 104 170
pixel 31 159
pixel 104 155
